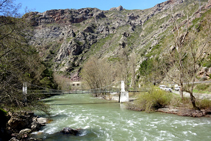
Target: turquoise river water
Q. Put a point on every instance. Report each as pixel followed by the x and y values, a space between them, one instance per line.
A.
pixel 102 120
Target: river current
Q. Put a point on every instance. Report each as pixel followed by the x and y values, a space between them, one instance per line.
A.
pixel 102 120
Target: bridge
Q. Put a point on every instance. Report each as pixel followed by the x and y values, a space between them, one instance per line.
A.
pixel 123 95
pixel 78 91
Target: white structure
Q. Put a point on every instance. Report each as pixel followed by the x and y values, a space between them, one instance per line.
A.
pixel 124 96
pixel 25 91
pixel 25 88
pixel 122 86
pixel 75 85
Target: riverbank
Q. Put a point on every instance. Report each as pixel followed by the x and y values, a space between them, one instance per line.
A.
pixel 186 112
pixel 19 125
pixel 180 111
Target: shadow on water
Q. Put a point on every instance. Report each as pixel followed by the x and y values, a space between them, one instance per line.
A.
pixel 54 99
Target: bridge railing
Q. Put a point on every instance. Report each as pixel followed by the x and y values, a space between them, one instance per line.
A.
pixel 81 91
pixel 45 91
pixel 93 91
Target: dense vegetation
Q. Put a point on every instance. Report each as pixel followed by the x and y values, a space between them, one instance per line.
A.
pixel 153 99
pixel 19 62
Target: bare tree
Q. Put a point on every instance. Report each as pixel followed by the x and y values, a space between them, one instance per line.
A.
pixel 132 67
pixel 187 55
pixel 8 8
pixel 97 74
pixel 123 66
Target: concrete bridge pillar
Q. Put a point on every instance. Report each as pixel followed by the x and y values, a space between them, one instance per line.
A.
pixel 122 86
pixel 25 91
pixel 124 96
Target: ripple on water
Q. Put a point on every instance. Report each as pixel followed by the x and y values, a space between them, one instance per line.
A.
pixel 83 133
pixel 51 130
pixel 187 133
pixel 106 122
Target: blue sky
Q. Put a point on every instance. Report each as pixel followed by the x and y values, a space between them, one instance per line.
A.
pixel 43 5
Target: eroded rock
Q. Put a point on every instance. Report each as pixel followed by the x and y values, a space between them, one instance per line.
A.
pixel 190 113
pixel 70 131
pixel 42 120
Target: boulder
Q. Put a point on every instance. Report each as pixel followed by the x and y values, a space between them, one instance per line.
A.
pixel 42 120
pixel 120 8
pixel 13 139
pixel 21 124
pixel 197 113
pixel 190 113
pixel 70 131
pixel 25 131
pixel 20 121
pixel 24 134
pixel 113 9
pixel 35 126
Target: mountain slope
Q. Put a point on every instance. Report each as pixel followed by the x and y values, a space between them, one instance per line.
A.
pixel 67 38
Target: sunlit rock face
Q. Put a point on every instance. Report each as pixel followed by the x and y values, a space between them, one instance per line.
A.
pixel 65 38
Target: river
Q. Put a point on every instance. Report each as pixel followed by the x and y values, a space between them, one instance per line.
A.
pixel 102 120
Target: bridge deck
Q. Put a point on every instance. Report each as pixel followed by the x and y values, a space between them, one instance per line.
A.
pixel 58 92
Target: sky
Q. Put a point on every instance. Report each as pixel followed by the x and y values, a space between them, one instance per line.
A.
pixel 44 5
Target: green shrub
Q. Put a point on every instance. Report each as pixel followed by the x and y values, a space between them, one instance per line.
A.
pixel 203 104
pixel 153 99
pixel 202 87
pixel 175 101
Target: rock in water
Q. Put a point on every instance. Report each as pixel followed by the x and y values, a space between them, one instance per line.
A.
pixel 42 120
pixel 71 131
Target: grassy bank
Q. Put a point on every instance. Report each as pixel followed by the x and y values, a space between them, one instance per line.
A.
pixel 154 98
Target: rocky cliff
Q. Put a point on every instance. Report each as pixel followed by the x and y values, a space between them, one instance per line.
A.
pixel 66 38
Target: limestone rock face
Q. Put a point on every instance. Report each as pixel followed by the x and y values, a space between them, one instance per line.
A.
pixel 65 16
pixel 65 38
pixel 119 8
pixel 99 14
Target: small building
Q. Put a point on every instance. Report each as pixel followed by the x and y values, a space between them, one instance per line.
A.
pixel 75 85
